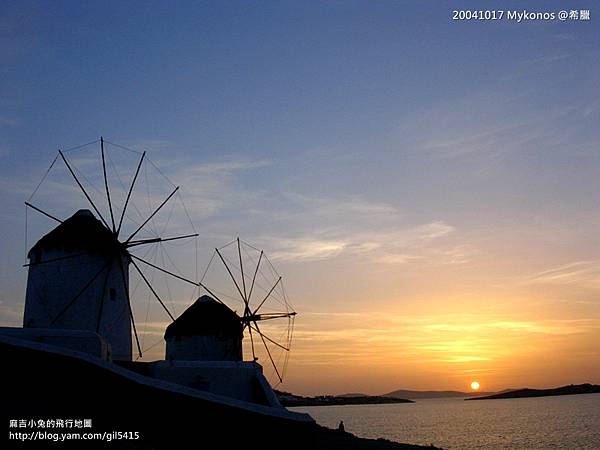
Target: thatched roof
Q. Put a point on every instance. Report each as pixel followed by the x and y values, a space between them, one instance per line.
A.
pixel 81 232
pixel 206 317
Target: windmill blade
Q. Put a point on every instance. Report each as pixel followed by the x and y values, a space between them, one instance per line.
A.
pixel 74 299
pixel 270 316
pixel 152 290
pixel 254 276
pixel 242 271
pixel 102 300
pixel 35 208
pixel 269 353
pixel 231 275
pixel 123 276
pixel 152 215
pixel 137 171
pixel 267 296
pixel 60 258
pixel 251 342
pixel 157 240
pixel 213 295
pixel 177 276
pixel 165 270
pixel 83 189
pixel 110 208
pixel 268 338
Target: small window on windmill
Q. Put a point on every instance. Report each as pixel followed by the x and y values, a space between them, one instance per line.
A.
pixel 112 293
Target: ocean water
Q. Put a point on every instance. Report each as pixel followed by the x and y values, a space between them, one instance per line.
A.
pixel 562 422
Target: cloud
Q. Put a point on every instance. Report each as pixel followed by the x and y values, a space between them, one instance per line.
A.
pixel 307 249
pixel 302 228
pixel 387 246
pixel 490 126
pixel 581 273
pixel 298 227
pixel 455 339
pixel 226 167
pixel 220 194
pixel 549 327
pixel 494 137
pixel 214 187
pixel 546 59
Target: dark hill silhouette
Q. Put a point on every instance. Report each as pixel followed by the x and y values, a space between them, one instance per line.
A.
pixel 571 389
pixel 416 395
pixel 288 399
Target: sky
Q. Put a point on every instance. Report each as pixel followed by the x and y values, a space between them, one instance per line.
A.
pixel 428 188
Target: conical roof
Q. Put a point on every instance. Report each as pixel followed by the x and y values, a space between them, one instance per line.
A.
pixel 80 232
pixel 206 317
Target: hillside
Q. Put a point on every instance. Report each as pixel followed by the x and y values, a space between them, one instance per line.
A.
pixel 287 399
pixel 572 389
pixel 416 395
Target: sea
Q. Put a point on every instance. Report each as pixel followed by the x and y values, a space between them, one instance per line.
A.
pixel 561 422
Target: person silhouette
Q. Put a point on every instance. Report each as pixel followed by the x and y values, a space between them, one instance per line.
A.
pixel 341 426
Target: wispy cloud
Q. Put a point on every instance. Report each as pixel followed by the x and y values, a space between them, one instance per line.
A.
pixel 581 273
pixel 547 59
pixel 307 249
pixel 297 227
pixel 292 225
pixel 226 167
pixel 302 228
pixel 397 245
pixel 458 339
pixel 486 128
pixel 495 138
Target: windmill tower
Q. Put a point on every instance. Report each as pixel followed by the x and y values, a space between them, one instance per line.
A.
pixel 204 344
pixel 78 280
pixel 240 277
pixel 206 331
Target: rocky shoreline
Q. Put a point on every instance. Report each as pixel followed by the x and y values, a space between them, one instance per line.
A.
pixel 341 440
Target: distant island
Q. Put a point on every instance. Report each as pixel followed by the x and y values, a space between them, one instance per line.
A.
pixel 357 398
pixel 571 389
pixel 408 396
pixel 288 399
pixel 417 395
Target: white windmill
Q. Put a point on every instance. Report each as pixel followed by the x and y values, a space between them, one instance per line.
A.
pixel 79 272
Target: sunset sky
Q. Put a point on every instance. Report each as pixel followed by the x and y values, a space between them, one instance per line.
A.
pixel 429 189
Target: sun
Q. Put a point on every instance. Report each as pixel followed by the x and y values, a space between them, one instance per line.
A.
pixel 475 385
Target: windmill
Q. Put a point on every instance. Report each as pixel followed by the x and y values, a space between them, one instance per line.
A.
pixel 242 277
pixel 79 272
